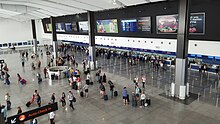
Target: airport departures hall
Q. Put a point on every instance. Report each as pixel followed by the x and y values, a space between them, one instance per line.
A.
pixel 109 62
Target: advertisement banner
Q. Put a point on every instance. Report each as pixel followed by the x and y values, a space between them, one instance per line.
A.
pixel 107 26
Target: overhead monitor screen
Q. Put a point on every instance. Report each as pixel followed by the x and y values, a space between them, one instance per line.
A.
pixel 60 27
pixel 167 24
pixel 74 27
pixel 144 24
pixel 107 26
pixel 197 23
pixel 48 27
pixel 83 26
pixel 129 25
pixel 68 27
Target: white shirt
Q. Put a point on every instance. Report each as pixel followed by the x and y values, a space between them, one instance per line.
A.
pixel 70 96
pixel 7 98
pixel 143 96
pixel 88 77
pixel 51 115
pixel 143 79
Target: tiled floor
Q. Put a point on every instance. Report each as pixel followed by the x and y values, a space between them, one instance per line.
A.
pixel 94 110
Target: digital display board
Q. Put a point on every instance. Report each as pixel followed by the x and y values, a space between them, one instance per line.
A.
pixel 68 27
pixel 144 24
pixel 48 27
pixel 197 23
pixel 83 26
pixel 60 27
pixel 129 25
pixel 74 27
pixel 107 26
pixel 167 24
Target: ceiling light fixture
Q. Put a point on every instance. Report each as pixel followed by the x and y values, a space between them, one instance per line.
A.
pixel 114 2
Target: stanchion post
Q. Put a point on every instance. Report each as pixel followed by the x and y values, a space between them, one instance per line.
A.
pixel 217 101
pixel 198 96
pixel 204 91
pixel 210 90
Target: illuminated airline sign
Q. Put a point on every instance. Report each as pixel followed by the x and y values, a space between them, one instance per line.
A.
pixel 16 119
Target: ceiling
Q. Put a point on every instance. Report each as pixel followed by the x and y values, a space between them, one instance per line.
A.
pixel 24 10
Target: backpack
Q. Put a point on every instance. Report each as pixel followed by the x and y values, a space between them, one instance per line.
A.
pixel 139 90
pixel 35 121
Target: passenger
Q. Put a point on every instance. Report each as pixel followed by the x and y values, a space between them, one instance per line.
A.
pixel 63 99
pixel 104 78
pixel 143 81
pixel 52 117
pixel 111 90
pixel 19 110
pixel 4 111
pixel 102 90
pixel 39 64
pixel 39 79
pixel 45 72
pixel 71 99
pixel 143 97
pixel 125 96
pixel 38 100
pixel 19 78
pixel 8 101
pixel 7 81
pixel 53 98
pixel 86 89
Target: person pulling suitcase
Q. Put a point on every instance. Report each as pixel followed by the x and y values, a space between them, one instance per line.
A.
pixel 8 102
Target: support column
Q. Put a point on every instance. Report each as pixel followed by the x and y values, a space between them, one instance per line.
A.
pixel 34 36
pixel 92 56
pixel 54 37
pixel 182 50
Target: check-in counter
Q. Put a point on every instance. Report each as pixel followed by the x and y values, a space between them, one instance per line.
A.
pixel 196 67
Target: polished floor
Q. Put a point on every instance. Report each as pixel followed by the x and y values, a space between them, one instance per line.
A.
pixel 94 110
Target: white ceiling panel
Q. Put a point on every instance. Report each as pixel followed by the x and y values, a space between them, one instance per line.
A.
pixel 29 9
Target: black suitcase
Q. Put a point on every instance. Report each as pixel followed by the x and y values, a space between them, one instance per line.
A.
pixel 148 101
pixel 28 104
pixel 91 83
pixel 115 93
pixel 81 94
pixel 105 97
pixel 87 82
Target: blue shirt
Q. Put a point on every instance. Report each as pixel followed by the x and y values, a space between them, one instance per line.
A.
pixel 124 93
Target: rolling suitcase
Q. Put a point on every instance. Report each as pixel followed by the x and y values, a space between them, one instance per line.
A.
pixel 148 102
pixel 105 97
pixel 28 104
pixel 87 82
pixel 81 94
pixel 115 93
pixel 91 83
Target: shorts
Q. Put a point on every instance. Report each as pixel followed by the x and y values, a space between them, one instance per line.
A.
pixel 86 90
pixel 124 97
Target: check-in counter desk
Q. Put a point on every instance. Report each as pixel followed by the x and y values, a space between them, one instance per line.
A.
pixel 196 67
